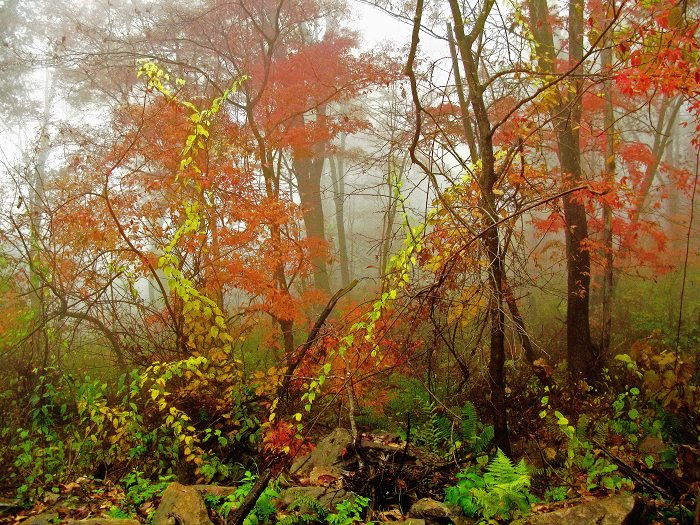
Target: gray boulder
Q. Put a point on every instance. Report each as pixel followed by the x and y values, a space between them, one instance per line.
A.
pixel 622 509
pixel 430 509
pixel 181 505
pixel 326 455
pixel 45 518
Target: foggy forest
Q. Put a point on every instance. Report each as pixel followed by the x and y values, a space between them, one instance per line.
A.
pixel 349 261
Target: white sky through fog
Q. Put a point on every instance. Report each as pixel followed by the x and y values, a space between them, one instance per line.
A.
pixel 378 27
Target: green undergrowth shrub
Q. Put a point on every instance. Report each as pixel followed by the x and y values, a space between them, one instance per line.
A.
pixel 501 491
pixel 304 510
pixel 447 431
pixel 264 508
pixel 454 433
pixel 138 490
pixel 161 420
pixel 626 428
pixel 636 321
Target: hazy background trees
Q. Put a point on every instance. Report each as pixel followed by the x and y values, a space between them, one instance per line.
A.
pixel 531 166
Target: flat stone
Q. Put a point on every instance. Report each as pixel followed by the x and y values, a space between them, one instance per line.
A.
pixel 328 452
pixel 45 518
pixel 622 509
pixel 181 505
pixel 214 490
pixel 457 516
pixel 429 509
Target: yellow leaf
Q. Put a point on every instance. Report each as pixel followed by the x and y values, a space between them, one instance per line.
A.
pixel 455 311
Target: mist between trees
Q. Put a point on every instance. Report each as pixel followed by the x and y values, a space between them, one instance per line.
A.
pixel 270 225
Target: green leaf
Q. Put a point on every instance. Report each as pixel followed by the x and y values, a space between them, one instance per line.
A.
pixel 561 420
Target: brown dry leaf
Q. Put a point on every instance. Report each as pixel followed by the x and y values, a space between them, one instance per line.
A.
pixel 143 509
pixel 69 487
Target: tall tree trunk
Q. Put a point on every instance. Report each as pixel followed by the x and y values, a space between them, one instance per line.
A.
pixel 610 169
pixel 38 299
pixel 464 109
pixel 337 174
pixel 308 169
pixel 272 189
pixel 582 355
pixel 394 173
pixel 672 157
pixel 664 129
pixel 308 174
pixel 487 179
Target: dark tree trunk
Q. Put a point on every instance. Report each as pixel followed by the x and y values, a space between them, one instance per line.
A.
pixel 492 245
pixel 665 122
pixel 308 169
pixel 582 355
pixel 610 169
pixel 308 174
pixel 337 174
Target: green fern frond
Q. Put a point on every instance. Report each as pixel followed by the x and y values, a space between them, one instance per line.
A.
pixel 435 430
pixel 601 431
pixel 307 503
pixel 539 472
pixel 502 475
pixel 582 427
pixel 469 421
pixel 484 439
pixel 502 492
pixel 500 469
pixel 299 519
pixel 552 426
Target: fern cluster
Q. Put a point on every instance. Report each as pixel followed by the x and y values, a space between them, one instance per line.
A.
pixel 503 491
pixel 473 433
pixel 306 510
pixel 445 436
pixel 435 430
